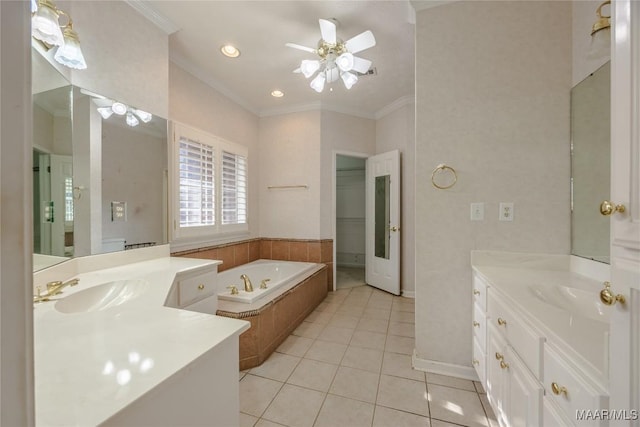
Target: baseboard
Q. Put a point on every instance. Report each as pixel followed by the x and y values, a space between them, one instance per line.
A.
pixel 409 294
pixel 458 371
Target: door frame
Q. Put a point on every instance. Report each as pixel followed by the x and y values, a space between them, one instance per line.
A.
pixel 334 182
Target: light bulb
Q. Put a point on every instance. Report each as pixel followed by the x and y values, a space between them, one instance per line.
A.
pixel 144 116
pixel 105 112
pixel 317 84
pixel 308 67
pixel 345 61
pixel 119 108
pixel 45 26
pixel 131 120
pixel 349 79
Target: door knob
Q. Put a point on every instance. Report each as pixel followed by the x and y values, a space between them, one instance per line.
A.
pixel 608 297
pixel 608 208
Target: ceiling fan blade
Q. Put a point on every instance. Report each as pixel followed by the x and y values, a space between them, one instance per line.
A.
pixel 361 65
pixel 300 47
pixel 328 31
pixel 361 42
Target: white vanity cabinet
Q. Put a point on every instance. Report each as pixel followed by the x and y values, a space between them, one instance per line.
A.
pixel 195 291
pixel 479 324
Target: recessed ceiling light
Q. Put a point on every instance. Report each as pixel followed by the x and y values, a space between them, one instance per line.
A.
pixel 277 94
pixel 230 51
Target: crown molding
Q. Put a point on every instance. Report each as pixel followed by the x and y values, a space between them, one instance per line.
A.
pixel 419 5
pixel 315 106
pixel 395 105
pixel 153 15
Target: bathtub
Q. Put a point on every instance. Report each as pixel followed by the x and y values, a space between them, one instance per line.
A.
pixel 281 275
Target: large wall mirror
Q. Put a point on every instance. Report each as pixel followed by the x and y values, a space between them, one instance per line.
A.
pixel 590 165
pixel 99 171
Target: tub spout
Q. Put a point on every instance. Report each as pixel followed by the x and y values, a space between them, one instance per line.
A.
pixel 248 287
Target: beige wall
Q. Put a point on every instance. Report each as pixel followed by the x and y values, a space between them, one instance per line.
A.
pixel 492 102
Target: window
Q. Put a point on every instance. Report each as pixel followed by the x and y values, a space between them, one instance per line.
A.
pixel 210 187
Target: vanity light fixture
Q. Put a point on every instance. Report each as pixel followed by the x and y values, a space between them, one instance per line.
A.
pixel 105 112
pixel 600 34
pixel 277 93
pixel 132 120
pixel 230 51
pixel 133 116
pixel 119 108
pixel 45 26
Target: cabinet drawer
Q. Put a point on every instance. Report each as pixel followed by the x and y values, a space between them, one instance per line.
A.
pixel 527 342
pixel 480 292
pixel 552 416
pixel 479 362
pixel 196 287
pixel 569 390
pixel 480 326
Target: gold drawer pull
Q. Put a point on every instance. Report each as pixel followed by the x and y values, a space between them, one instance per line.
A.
pixel 499 356
pixel 476 324
pixel 558 389
pixel 608 297
pixel 501 321
pixel 476 362
pixel 476 292
pixel 201 286
pixel 504 365
pixel 608 208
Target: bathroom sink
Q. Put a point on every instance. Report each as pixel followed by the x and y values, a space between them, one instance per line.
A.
pixel 101 297
pixel 576 301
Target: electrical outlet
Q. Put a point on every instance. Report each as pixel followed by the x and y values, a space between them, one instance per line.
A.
pixel 118 211
pixel 477 211
pixel 506 211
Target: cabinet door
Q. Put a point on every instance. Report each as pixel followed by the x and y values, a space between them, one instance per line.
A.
pixel 525 393
pixel 496 385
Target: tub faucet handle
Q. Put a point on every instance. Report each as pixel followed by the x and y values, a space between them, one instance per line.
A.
pixel 234 289
pixel 263 284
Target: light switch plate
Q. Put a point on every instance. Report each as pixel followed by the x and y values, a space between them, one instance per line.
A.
pixel 118 211
pixel 477 211
pixel 506 211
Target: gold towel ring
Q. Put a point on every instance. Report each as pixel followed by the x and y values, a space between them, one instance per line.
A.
pixel 440 168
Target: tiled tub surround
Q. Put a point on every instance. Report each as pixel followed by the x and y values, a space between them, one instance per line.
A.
pixel 549 326
pixel 275 317
pixel 111 365
pixel 238 253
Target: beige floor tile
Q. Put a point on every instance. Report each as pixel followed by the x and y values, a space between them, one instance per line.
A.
pixel 373 325
pixel 339 411
pixel 356 300
pixel 384 302
pixel 403 316
pixel 348 310
pixel 344 321
pixel 320 317
pixel 402 345
pixel 277 367
pixel 450 381
pixel 493 422
pixel 336 334
pixel 328 307
pixel 325 351
pixel 479 387
pixel 363 358
pixel 399 365
pixel 295 346
pixel 355 384
pixel 440 423
pixel 405 305
pixel 257 393
pixel 248 420
pixel 368 339
pixel 403 394
pixel 313 374
pixel 309 330
pixel 295 406
pixel 266 423
pixel 456 406
pixel 376 313
pixel 386 417
pixel 402 329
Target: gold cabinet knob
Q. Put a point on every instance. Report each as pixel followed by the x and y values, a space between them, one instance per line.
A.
pixel 499 356
pixel 558 389
pixel 201 286
pixel 475 362
pixel 501 321
pixel 608 297
pixel 476 324
pixel 476 292
pixel 394 228
pixel 504 365
pixel 608 208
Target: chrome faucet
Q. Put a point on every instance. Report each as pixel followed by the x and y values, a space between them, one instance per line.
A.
pixel 53 288
pixel 248 287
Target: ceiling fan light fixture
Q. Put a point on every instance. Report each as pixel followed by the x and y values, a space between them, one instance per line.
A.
pixel 317 84
pixel 230 51
pixel 345 61
pixel 349 79
pixel 308 67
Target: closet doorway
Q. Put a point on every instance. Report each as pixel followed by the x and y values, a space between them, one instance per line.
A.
pixel 350 242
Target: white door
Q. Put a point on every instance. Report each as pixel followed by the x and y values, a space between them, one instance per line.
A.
pixel 624 343
pixel 382 267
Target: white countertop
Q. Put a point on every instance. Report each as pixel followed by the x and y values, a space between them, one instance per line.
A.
pixel 89 366
pixel 583 339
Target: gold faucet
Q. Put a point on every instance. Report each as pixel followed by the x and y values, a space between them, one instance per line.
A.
pixel 53 288
pixel 248 287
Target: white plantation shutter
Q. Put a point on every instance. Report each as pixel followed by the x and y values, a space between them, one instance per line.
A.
pixel 197 183
pixel 234 188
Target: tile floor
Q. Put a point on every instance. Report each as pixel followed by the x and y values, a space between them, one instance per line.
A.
pixel 349 277
pixel 349 364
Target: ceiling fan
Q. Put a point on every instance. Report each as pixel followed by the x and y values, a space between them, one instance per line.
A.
pixel 337 58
